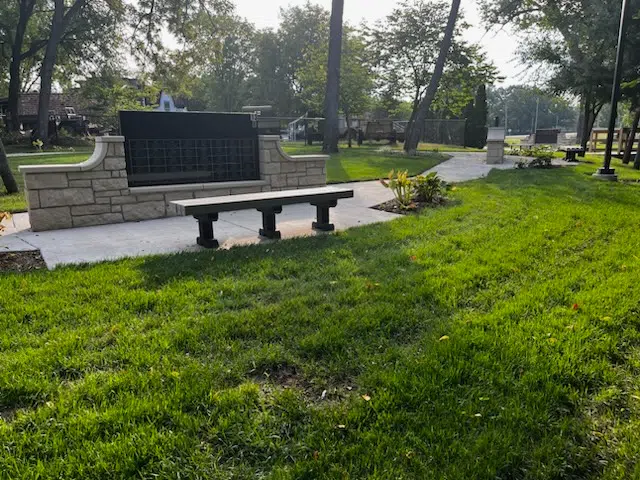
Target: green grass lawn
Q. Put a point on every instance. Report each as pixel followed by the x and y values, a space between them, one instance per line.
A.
pixel 498 337
pixel 17 202
pixel 367 162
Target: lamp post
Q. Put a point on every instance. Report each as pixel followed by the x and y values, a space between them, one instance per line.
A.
pixel 606 172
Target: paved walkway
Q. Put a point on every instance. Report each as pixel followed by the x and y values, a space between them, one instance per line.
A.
pixel 170 235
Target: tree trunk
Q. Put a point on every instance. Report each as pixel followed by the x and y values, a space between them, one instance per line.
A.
pixel 5 172
pixel 13 107
pixel 348 119
pixel 59 24
pixel 332 95
pixel 581 120
pixel 636 162
pixel 586 118
pixel 411 143
pixel 632 137
pixel 409 128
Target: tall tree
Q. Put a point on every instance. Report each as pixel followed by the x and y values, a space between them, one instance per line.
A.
pixel 302 28
pixel 628 150
pixel 573 41
pixel 477 117
pixel 332 95
pixel 5 172
pixel 405 48
pixel 60 22
pixel 17 36
pixel 414 129
pixel 269 84
pixel 356 78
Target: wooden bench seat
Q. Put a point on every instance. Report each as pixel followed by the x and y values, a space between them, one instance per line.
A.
pixel 206 210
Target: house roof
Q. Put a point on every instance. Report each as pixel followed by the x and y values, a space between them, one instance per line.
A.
pixel 28 105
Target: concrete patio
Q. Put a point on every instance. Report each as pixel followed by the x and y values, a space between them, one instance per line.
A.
pixel 171 235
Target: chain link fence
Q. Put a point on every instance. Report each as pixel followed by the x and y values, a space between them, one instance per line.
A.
pixel 445 132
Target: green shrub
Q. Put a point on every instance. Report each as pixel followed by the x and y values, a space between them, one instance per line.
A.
pixel 423 188
pixel 429 188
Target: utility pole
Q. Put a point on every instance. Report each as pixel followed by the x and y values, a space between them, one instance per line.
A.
pixel 606 172
pixel 535 128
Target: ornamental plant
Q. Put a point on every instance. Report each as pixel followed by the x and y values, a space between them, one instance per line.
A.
pixel 402 187
pixel 4 216
pixel 429 188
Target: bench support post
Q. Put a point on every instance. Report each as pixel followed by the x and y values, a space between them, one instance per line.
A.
pixel 322 216
pixel 268 229
pixel 205 225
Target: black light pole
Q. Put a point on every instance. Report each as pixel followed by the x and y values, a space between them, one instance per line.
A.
pixel 606 172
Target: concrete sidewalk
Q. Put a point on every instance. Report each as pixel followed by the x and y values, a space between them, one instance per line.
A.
pixel 170 235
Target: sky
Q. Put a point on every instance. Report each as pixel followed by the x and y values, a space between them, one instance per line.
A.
pixel 500 46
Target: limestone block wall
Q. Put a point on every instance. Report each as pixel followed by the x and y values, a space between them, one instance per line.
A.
pixel 97 192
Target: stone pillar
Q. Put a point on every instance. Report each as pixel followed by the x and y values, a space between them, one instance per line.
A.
pixel 495 146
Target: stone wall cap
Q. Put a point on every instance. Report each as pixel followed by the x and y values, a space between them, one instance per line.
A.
pixel 59 168
pixel 96 158
pixel 110 139
pixel 196 187
pixel 308 158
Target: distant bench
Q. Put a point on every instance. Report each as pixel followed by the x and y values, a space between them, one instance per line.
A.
pixel 206 210
pixel 571 152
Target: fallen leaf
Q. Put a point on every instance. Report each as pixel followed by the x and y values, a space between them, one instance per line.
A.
pixel 316 455
pixel 366 398
pixel 575 306
pixel 413 258
pixel 444 338
pixel 478 415
pixel 342 426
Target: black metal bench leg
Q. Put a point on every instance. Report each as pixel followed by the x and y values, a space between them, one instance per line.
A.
pixel 268 229
pixel 205 225
pixel 322 216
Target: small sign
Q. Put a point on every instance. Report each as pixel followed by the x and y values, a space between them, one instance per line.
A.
pixel 496 134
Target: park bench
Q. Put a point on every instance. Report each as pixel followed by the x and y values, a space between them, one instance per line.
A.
pixel 571 152
pixel 206 210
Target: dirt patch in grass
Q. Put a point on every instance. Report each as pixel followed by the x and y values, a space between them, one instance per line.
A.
pixel 8 414
pixel 290 377
pixel 21 261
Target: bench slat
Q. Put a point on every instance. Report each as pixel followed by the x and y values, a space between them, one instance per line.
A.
pixel 229 203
